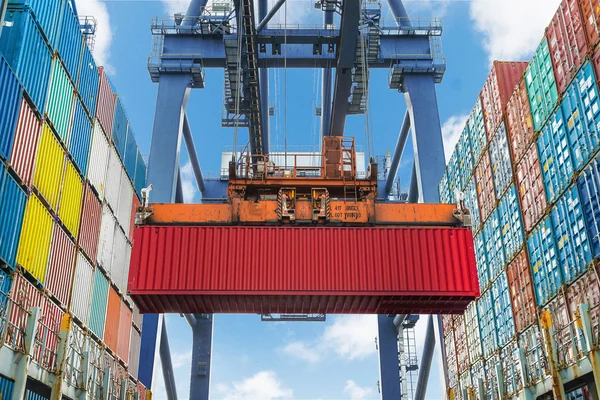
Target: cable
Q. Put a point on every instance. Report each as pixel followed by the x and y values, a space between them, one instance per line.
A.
pixel 285 84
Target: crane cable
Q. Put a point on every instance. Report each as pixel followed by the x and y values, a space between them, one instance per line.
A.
pixel 285 83
pixel 239 85
pixel 365 77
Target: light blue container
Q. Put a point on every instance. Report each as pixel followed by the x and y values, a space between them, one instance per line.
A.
pixel 472 204
pixel 505 323
pixel 131 150
pixel 510 223
pixel 48 14
pixel 10 100
pixel 12 210
pixel 453 175
pixel 547 277
pixel 570 235
pixel 31 395
pixel 581 110
pixel 25 49
pixel 477 132
pixel 487 324
pixel 482 267
pixel 70 42
pixel 589 191
pixel 443 189
pixel 494 251
pixel 465 158
pixel 555 157
pixel 80 138
pixel 119 132
pixel 500 158
pixel 99 304
pixel 140 173
pixel 88 81
pixel 6 386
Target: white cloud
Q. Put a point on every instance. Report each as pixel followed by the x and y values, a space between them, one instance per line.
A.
pixel 511 29
pixel 264 385
pixel 451 130
pixel 188 183
pixel 302 351
pixel 180 360
pixel 104 32
pixel 352 336
pixel 176 6
pixel 357 392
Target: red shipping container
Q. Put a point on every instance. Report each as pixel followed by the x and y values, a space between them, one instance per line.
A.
pixel 91 219
pixel 586 290
pixel 497 90
pixel 448 323
pixel 596 62
pixel 134 207
pixel 105 110
pixel 484 183
pixel 521 291
pixel 531 188
pixel 233 269
pixel 567 42
pixel 113 313
pixel 460 341
pixel 25 144
pixel 124 333
pixel 520 123
pixel 591 20
pixel 59 273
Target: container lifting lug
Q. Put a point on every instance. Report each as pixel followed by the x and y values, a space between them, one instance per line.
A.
pixel 461 213
pixel 321 205
pixel 286 201
pixel 144 211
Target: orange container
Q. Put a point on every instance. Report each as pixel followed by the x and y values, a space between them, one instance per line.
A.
pixel 124 333
pixel 113 314
pixel 521 290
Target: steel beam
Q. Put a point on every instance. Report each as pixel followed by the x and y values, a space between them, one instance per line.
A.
pixel 22 366
pixel 426 359
pixel 326 90
pixel 191 148
pixel 266 18
pixel 398 151
pixel 399 13
pixel 389 375
pixel 413 190
pixel 167 366
pixel 263 78
pixel 201 357
pixel 193 12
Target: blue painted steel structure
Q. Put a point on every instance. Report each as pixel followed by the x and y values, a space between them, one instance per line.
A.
pixel 203 40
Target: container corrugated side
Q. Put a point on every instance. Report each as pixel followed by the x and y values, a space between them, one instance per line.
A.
pixel 34 245
pixel 477 131
pixel 131 150
pixel 70 200
pixel 137 318
pixel 503 312
pixel 49 167
pixel 10 92
pixel 500 159
pixel 91 219
pixel 95 367
pixel 60 266
pixel 23 296
pixel 12 210
pixel 494 250
pixel 59 108
pixel 472 204
pixel 465 158
pixel 123 213
pixel 570 235
pixel 45 351
pixel 6 388
pixel 490 384
pixel 25 145
pixel 105 108
pixel 76 347
pixel 98 160
pixel 124 333
pixel 567 41
pixel 563 333
pixel 484 182
pixel 83 283
pixel 70 42
pixel 511 369
pixel 120 127
pixel 113 180
pixel 113 312
pixel 591 19
pixel 588 184
pixel 48 14
pixel 107 237
pixel 98 304
pixel 80 138
pixel 487 323
pixel 472 333
pixel 119 266
pixel 581 110
pixel 134 353
pixel 24 47
pixel 547 278
pixel 531 188
pixel 460 339
pixel 134 208
pixel 477 375
pixel 88 81
pixel 521 290
pixel 451 363
pixel 519 122
pixel 483 275
pixel 555 157
pixel 510 223
pixel 541 85
pixel 444 189
pixel 532 343
pixel 140 173
pixel 585 290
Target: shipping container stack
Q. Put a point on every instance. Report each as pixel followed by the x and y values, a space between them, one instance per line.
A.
pixel 534 194
pixel 71 173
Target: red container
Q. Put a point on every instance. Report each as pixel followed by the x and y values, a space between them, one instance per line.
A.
pixel 567 42
pixel 531 188
pixel 484 183
pixel 497 90
pixel 134 207
pixel 460 341
pixel 585 290
pixel 596 62
pixel 113 313
pixel 105 110
pixel 25 143
pixel 124 333
pixel 91 219
pixel 520 122
pixel 591 21
pixel 233 269
pixel 448 324
pixel 59 273
pixel 521 291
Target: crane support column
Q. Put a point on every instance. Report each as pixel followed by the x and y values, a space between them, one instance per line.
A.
pixel 326 91
pixel 426 359
pixel 398 151
pixel 202 332
pixel 387 344
pixel 263 78
pixel 399 12
pixel 191 148
pixel 167 366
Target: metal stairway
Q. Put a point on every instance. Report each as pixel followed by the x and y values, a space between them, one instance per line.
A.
pixel 360 88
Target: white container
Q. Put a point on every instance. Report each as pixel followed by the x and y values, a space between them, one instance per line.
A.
pixel 137 317
pixel 125 204
pixel 82 288
pixel 119 267
pixel 134 353
pixel 98 163
pixel 105 243
pixel 113 180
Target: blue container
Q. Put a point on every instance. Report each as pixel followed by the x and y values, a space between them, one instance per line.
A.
pixel 6 386
pixel 589 191
pixel 70 43
pixel 88 81
pixel 510 223
pixel 465 158
pixel 555 157
pixel 25 49
pixel 443 189
pixel 12 210
pixel 500 158
pixel 80 138
pixel 477 132
pixel 31 395
pixel 487 324
pixel 547 277
pixel 482 266
pixel 48 14
pixel 505 323
pixel 581 110
pixel 494 252
pixel 140 173
pixel 131 151
pixel 453 175
pixel 10 99
pixel 119 132
pixel 472 204
pixel 570 235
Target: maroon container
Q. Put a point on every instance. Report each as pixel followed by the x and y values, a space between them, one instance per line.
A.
pixel 531 188
pixel 591 21
pixel 105 110
pixel 596 62
pixel 460 341
pixel 521 290
pixel 59 274
pixel 448 324
pixel 91 219
pixel 25 144
pixel 520 122
pixel 484 184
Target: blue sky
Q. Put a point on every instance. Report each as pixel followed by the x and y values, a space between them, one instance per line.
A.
pixel 336 359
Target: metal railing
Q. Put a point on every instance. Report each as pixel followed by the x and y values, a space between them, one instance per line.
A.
pixel 423 26
pixel 47 339
pixel 76 348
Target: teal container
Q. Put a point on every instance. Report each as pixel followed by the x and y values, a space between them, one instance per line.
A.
pixel 99 304
pixel 487 324
pixel 494 252
pixel 541 85
pixel 500 158
pixel 477 134
pixel 120 126
pixel 131 150
pixel 140 173
pixel 510 223
pixel 465 158
pixel 472 204
pixel 505 323
pixel 453 175
pixel 60 101
pixel 545 267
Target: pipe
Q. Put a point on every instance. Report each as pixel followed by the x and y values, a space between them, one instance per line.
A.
pixel 425 366
pixel 399 13
pixel 193 12
pixel 400 144
pixel 191 319
pixel 399 319
pixel 167 366
pixel 179 188
pixel 326 90
pixel 264 21
pixel 413 191
pixel 189 144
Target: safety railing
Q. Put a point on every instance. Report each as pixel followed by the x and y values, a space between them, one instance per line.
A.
pixel 330 29
pixel 95 371
pixel 15 321
pixel 420 26
pixel 202 24
pixel 536 361
pixel 47 339
pixel 74 362
pixel 259 167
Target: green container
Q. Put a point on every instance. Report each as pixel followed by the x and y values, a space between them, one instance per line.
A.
pixel 60 101
pixel 99 304
pixel 541 86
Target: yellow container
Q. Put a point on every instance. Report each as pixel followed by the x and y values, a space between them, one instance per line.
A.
pixel 49 166
pixel 70 199
pixel 34 246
